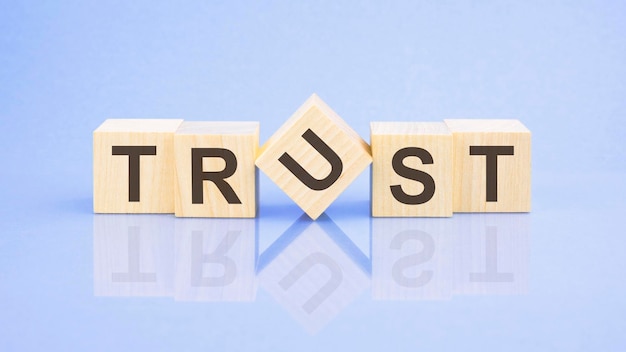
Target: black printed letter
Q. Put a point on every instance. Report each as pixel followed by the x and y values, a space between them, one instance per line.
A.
pixel 217 177
pixel 306 178
pixel 412 174
pixel 492 152
pixel 133 153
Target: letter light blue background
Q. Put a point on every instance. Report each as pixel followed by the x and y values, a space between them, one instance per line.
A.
pixel 558 66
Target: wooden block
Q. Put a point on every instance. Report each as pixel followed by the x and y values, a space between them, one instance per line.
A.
pixel 314 156
pixel 412 169
pixel 491 165
pixel 216 176
pixel 133 166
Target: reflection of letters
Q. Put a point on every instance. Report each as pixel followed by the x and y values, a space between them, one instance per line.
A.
pixel 218 256
pixel 411 259
pixel 336 277
pixel 492 254
pixel 414 259
pixel 134 274
pixel 313 270
pixel 133 255
pixel 491 273
pixel 215 260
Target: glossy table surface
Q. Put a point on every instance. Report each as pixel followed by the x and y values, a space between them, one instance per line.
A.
pixel 551 279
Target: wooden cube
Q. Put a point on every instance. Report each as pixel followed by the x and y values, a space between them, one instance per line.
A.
pixel 412 169
pixel 133 166
pixel 491 165
pixel 314 156
pixel 215 171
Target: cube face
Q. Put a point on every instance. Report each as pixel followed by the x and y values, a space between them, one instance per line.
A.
pixel 412 169
pixel 132 167
pixel 215 171
pixel 314 156
pixel 492 165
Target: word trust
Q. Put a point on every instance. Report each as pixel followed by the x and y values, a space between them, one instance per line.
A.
pixel 209 168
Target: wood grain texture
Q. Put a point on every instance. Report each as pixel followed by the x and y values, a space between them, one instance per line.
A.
pixel 389 139
pixel 111 173
pixel 324 123
pixel 239 138
pixel 470 171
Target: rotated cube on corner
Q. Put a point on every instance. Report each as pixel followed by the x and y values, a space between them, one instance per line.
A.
pixel 314 156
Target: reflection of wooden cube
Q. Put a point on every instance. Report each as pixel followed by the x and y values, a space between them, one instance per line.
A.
pixel 491 165
pixel 133 255
pixel 316 271
pixel 412 170
pixel 314 156
pixel 492 254
pixel 412 259
pixel 215 169
pixel 215 260
pixel 133 166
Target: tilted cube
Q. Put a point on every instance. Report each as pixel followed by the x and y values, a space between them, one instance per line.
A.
pixel 314 156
